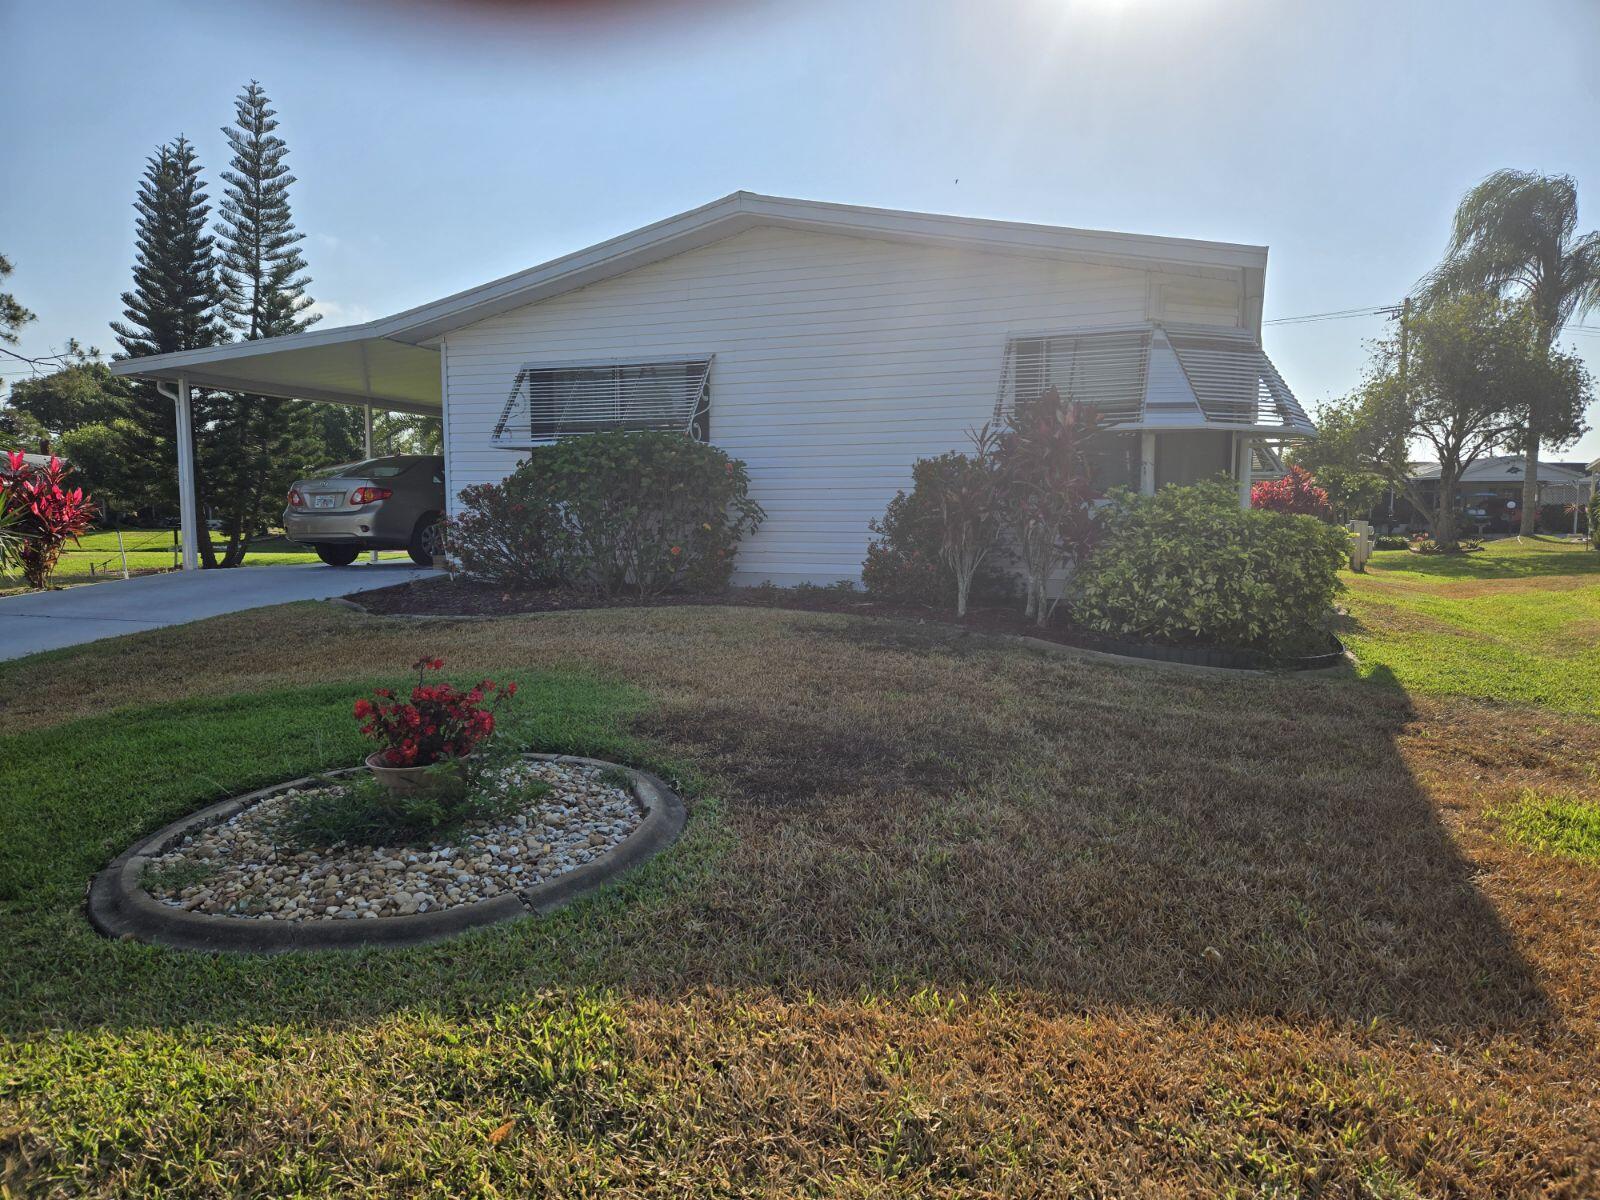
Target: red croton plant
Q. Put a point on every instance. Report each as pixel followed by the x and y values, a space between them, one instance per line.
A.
pixel 1296 492
pixel 47 513
pixel 440 721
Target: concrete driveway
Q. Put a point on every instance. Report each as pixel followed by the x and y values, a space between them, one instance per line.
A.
pixel 49 620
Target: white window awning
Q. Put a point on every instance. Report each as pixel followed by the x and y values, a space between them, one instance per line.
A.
pixel 1154 377
pixel 554 400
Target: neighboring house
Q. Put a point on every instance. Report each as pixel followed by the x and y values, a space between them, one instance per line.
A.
pixel 827 346
pixel 1489 496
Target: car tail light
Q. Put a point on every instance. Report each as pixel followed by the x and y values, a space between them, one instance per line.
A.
pixel 369 495
pixel 296 500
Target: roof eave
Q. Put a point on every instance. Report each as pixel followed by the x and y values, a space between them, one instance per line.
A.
pixel 425 324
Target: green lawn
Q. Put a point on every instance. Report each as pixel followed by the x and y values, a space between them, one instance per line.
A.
pixel 1518 622
pixel 96 556
pixel 950 917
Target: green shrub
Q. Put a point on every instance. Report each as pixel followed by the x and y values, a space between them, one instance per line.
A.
pixel 1189 566
pixel 1391 541
pixel 611 512
pixel 362 812
pixel 504 533
pixel 905 562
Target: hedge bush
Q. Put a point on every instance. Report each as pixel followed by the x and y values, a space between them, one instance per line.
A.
pixel 505 532
pixel 610 512
pixel 1188 566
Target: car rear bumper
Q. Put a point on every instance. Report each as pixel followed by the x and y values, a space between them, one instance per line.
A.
pixel 358 527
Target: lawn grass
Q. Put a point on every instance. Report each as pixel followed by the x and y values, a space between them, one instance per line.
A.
pixel 96 556
pixel 1518 622
pixel 949 917
pixel 1555 824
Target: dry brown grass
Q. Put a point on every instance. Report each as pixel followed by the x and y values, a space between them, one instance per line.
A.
pixel 974 920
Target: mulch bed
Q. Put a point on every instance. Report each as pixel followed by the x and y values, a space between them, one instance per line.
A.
pixel 468 598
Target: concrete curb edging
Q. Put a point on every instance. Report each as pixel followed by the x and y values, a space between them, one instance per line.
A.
pixel 119 907
pixel 1347 660
pixel 1109 657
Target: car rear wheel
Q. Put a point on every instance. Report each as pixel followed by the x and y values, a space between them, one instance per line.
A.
pixel 427 539
pixel 338 556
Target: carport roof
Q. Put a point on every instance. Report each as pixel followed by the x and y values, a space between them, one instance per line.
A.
pixel 393 362
pixel 343 366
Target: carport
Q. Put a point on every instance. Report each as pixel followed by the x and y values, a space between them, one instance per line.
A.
pixel 365 366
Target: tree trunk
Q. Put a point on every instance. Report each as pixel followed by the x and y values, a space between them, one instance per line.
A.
pixel 1530 483
pixel 1444 517
pixel 963 586
pixel 1030 592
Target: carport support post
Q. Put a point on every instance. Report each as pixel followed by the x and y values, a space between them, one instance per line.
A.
pixel 1244 472
pixel 186 504
pixel 1147 464
pixel 366 450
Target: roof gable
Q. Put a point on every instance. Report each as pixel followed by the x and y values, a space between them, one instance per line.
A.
pixel 425 326
pixel 746 210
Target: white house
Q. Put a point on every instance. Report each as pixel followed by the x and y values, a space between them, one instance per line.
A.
pixel 828 346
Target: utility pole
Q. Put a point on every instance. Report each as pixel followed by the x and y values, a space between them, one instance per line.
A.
pixel 1405 343
pixel 1405 354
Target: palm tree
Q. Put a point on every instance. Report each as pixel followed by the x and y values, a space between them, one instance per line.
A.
pixel 1516 233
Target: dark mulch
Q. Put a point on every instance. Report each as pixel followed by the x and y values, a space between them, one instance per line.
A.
pixel 468 598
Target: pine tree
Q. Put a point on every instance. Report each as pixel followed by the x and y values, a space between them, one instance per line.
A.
pixel 173 304
pixel 263 283
pixel 263 272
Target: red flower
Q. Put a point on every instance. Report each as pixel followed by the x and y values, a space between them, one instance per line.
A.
pixel 439 722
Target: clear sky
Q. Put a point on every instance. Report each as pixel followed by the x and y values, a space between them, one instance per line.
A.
pixel 436 150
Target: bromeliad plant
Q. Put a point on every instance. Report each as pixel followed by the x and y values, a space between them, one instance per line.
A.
pixel 438 723
pixel 45 513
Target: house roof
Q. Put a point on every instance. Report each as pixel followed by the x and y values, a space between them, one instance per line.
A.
pixel 1507 468
pixel 393 360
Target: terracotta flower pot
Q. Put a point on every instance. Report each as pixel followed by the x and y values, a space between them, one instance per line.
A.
pixel 405 779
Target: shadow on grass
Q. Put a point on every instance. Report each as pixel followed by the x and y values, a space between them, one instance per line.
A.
pixel 889 812
pixel 1557 558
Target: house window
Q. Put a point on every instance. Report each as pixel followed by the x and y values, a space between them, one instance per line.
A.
pixel 1102 369
pixel 553 401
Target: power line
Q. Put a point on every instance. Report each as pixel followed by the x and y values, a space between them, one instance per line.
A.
pixel 1342 314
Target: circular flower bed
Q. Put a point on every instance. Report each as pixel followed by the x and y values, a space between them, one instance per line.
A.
pixel 244 867
pixel 232 877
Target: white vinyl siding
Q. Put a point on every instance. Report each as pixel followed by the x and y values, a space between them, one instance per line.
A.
pixel 839 361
